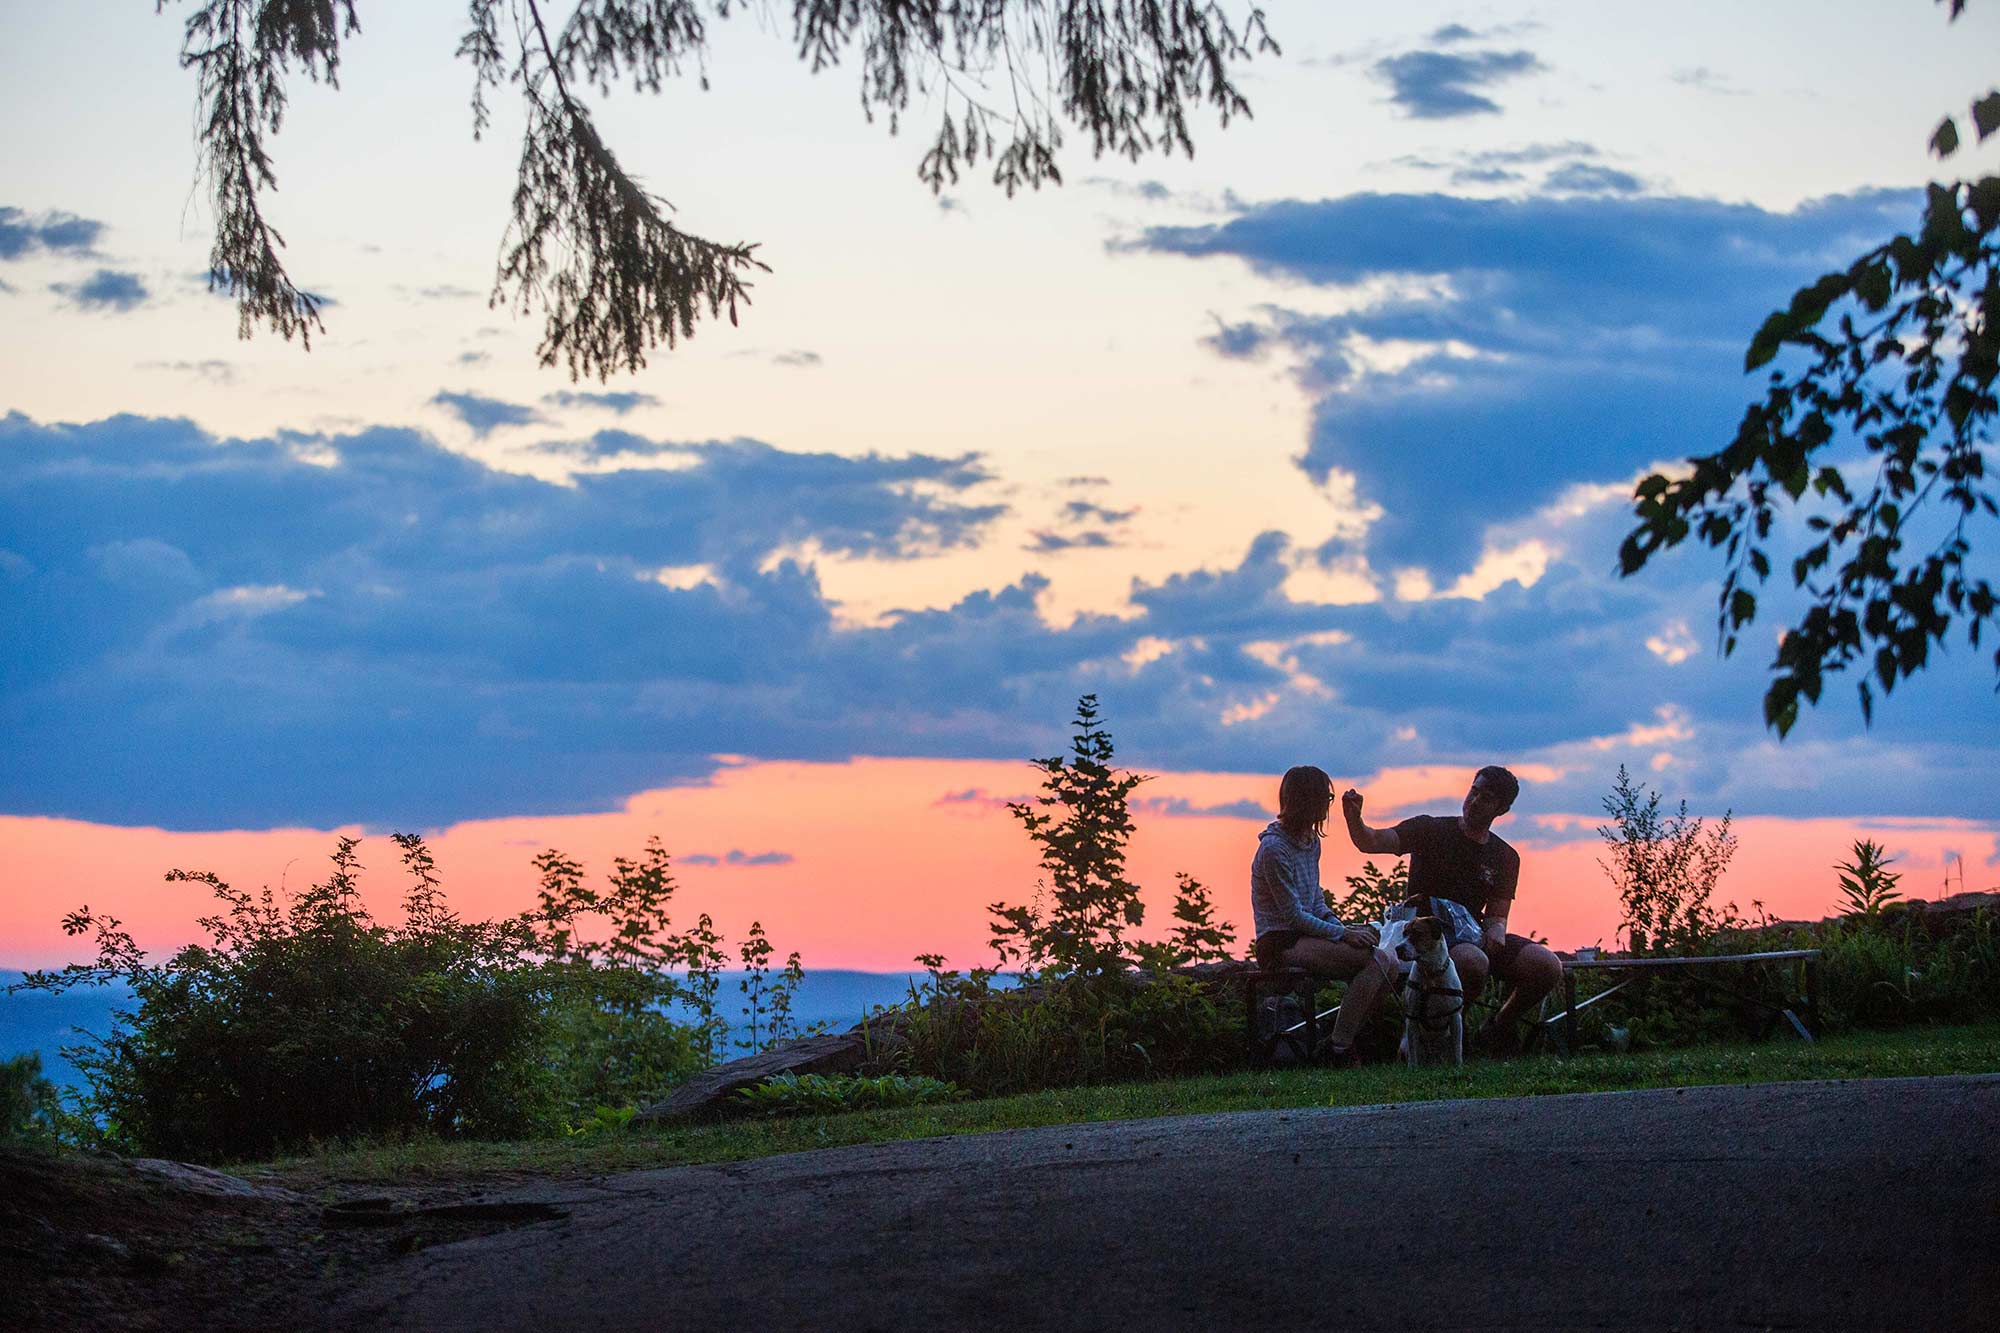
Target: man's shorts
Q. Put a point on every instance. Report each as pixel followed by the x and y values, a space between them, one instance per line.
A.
pixel 1508 956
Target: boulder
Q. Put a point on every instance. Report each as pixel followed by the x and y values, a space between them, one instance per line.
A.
pixel 709 1093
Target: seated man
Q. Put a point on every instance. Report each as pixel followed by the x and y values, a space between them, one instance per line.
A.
pixel 1461 859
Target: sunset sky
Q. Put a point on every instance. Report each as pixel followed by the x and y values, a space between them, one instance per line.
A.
pixel 1316 447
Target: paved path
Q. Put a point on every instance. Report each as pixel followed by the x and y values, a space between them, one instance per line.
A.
pixel 1802 1205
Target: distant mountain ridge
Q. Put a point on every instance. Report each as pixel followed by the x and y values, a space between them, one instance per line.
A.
pixel 44 1023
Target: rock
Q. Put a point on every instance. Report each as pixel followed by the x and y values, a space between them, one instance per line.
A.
pixel 709 1092
pixel 205 1180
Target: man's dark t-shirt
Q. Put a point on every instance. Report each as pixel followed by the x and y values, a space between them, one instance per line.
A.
pixel 1444 863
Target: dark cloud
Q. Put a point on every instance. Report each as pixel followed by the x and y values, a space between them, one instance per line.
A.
pixel 1080 511
pixel 738 857
pixel 1454 32
pixel 1239 342
pixel 1048 543
pixel 58 233
pixel 368 627
pixel 621 401
pixel 1484 176
pixel 483 415
pixel 210 633
pixel 1180 807
pixel 1605 334
pixel 1590 178
pixel 1440 85
pixel 106 290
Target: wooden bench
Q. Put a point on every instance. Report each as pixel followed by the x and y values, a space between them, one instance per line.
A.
pixel 1640 970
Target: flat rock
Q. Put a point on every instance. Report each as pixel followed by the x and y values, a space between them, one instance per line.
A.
pixel 708 1093
pixel 205 1180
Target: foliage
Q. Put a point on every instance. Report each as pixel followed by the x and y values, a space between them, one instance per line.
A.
pixel 1867 885
pixel 306 1020
pixel 1004 76
pixel 1197 937
pixel 611 1040
pixel 1894 969
pixel 1898 358
pixel 1062 1031
pixel 30 1110
pixel 1665 870
pixel 820 1094
pixel 767 1004
pixel 1371 893
pixel 1081 828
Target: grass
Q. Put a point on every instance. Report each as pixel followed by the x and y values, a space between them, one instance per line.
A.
pixel 1926 1051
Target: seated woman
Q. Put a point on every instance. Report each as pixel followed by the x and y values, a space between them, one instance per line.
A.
pixel 1295 928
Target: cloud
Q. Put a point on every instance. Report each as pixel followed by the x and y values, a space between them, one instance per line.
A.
pixel 57 233
pixel 796 358
pixel 620 402
pixel 212 370
pixel 1588 178
pixel 1048 543
pixel 483 415
pixel 738 857
pixel 1704 79
pixel 1441 85
pixel 1504 349
pixel 106 290
pixel 1179 807
pixel 213 633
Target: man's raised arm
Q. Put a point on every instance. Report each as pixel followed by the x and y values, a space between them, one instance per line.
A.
pixel 1376 841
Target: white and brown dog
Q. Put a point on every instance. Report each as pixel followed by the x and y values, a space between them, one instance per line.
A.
pixel 1433 998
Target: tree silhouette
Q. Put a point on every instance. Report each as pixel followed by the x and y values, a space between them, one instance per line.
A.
pixel 1899 356
pixel 614 275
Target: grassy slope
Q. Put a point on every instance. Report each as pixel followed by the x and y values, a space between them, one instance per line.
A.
pixel 1960 1050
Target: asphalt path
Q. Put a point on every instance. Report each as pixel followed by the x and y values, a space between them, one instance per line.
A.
pixel 1871 1204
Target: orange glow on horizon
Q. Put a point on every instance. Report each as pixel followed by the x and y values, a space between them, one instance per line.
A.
pixel 890 858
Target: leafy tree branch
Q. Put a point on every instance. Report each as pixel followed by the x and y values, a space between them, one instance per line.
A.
pixel 1874 432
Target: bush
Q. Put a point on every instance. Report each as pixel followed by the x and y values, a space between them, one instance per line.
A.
pixel 308 1020
pixel 1064 1031
pixel 819 1094
pixel 29 1110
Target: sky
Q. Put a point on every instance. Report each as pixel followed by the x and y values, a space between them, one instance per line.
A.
pixel 1315 447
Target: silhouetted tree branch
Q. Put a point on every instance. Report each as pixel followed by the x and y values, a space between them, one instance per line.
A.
pixel 595 251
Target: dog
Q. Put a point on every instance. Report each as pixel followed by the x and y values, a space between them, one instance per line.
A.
pixel 1433 998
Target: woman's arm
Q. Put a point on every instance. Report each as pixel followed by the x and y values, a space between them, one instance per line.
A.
pixel 1376 841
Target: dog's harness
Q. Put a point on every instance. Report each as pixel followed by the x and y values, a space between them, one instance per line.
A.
pixel 1434 1020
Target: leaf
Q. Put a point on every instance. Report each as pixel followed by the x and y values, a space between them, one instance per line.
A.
pixel 1944 139
pixel 1986 114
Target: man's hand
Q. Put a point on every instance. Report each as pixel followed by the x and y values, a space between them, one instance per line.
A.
pixel 1494 937
pixel 1367 935
pixel 1350 805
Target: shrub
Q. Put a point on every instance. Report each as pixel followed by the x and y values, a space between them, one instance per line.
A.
pixel 1665 870
pixel 820 1094
pixel 1064 1031
pixel 307 1020
pixel 30 1112
pixel 1867 885
pixel 1371 893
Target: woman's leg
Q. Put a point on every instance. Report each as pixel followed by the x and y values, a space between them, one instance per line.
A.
pixel 1366 971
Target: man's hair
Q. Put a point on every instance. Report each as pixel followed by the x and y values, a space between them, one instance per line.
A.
pixel 1303 787
pixel 1501 781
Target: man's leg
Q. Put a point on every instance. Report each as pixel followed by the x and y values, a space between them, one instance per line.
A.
pixel 1531 971
pixel 1473 966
